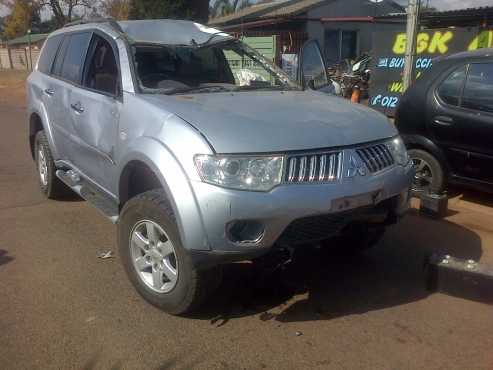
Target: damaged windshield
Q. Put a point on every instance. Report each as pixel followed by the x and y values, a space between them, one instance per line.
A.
pixel 216 67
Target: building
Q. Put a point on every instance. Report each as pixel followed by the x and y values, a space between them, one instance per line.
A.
pixel 342 27
pixel 37 40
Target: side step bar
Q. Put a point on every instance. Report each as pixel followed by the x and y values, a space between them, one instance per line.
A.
pixel 101 201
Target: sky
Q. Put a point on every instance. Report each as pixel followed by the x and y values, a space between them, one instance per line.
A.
pixel 440 4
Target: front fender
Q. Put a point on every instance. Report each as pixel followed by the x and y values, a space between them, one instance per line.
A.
pixel 175 183
pixel 421 142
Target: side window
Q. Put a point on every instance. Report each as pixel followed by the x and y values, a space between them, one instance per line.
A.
pixel 62 50
pixel 450 89
pixel 48 54
pixel 74 57
pixel 101 72
pixel 478 91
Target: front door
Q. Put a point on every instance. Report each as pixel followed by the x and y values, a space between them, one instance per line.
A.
pixel 95 111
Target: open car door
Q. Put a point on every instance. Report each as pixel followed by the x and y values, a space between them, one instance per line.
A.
pixel 312 72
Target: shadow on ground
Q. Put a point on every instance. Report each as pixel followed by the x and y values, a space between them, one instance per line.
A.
pixel 4 257
pixel 335 283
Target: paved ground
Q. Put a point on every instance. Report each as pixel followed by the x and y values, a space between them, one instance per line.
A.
pixel 63 308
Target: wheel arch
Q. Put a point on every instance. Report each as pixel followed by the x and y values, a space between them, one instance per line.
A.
pixel 423 143
pixel 166 173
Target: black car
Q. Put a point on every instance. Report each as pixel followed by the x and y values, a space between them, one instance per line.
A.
pixel 446 121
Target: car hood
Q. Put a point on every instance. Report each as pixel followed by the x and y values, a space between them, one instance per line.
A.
pixel 276 121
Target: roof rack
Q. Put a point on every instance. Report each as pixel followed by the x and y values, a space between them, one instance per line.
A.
pixel 114 24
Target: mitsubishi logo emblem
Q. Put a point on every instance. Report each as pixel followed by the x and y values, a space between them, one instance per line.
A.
pixel 355 167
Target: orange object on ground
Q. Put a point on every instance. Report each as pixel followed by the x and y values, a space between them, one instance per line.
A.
pixel 355 96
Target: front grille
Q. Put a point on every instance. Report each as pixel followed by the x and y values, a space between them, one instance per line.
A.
pixel 320 167
pixel 376 157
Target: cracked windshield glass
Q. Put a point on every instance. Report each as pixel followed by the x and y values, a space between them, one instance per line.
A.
pixel 225 66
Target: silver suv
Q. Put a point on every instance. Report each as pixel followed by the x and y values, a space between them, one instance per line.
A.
pixel 203 152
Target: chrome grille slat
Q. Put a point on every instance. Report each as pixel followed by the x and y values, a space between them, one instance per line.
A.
pixel 312 168
pixel 376 157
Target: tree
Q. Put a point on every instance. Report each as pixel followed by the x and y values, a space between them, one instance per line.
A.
pixel 63 11
pixel 197 10
pixel 225 7
pixel 19 20
pixel 117 9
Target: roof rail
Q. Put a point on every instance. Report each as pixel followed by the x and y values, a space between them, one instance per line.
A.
pixel 114 24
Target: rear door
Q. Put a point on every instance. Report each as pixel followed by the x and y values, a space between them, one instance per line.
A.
pixel 95 111
pixel 67 73
pixel 443 113
pixel 475 121
pixel 461 119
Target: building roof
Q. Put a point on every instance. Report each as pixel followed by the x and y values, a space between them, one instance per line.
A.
pixel 280 8
pixel 35 37
pixel 458 17
pixel 274 9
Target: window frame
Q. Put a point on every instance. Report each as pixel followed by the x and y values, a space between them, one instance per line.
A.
pixel 449 71
pixel 43 50
pixel 80 85
pixel 464 87
pixel 444 77
pixel 60 77
pixel 87 59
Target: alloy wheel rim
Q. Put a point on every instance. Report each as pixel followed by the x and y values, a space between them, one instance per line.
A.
pixel 42 167
pixel 153 256
pixel 423 174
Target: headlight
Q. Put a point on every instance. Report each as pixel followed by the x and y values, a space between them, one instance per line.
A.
pixel 246 173
pixel 399 151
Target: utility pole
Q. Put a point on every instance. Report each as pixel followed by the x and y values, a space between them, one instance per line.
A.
pixel 411 33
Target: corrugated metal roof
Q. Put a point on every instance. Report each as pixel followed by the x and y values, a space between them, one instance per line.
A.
pixel 294 9
pixel 275 9
pixel 25 39
pixel 280 8
pixel 479 11
pixel 249 12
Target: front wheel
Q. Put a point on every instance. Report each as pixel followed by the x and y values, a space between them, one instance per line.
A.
pixel 156 262
pixel 429 175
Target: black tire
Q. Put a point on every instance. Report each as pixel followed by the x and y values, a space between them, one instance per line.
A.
pixel 53 187
pixel 357 238
pixel 193 285
pixel 438 180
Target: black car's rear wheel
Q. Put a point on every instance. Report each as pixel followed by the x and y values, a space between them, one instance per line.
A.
pixel 429 174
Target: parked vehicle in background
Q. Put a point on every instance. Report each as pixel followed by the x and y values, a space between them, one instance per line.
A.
pixel 203 152
pixel 446 121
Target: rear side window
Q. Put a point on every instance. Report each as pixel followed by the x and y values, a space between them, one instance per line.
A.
pixel 451 88
pixel 57 66
pixel 478 91
pixel 73 61
pixel 49 52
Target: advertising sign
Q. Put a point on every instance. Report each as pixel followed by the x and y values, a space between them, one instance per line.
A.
pixel 388 59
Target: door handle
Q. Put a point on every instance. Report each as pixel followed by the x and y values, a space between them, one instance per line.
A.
pixel 49 92
pixel 77 107
pixel 443 120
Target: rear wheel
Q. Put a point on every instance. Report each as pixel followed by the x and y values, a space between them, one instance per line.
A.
pixel 429 175
pixel 51 186
pixel 155 260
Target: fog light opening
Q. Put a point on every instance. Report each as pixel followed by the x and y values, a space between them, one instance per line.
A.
pixel 250 232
